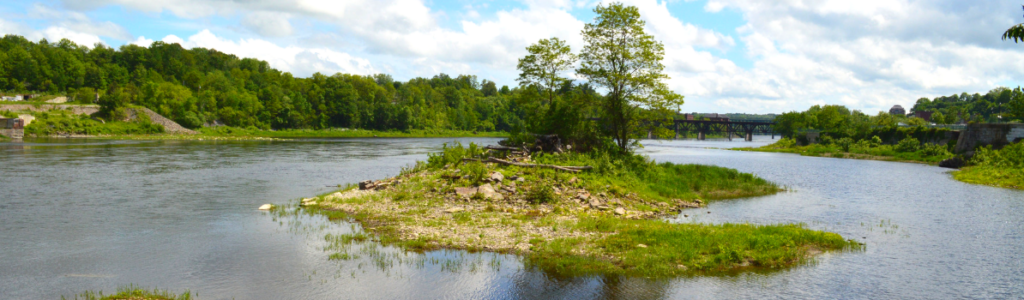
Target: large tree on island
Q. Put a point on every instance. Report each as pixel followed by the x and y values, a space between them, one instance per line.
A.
pixel 1016 33
pixel 625 60
pixel 542 66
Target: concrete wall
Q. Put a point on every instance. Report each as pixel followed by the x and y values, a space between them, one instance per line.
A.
pixel 13 133
pixel 997 135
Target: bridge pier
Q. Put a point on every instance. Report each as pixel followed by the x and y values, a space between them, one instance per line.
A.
pixel 750 137
pixel 700 136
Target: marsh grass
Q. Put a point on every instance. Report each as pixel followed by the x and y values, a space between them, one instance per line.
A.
pixel 133 292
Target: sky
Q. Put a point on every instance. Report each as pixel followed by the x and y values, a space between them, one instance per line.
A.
pixel 725 56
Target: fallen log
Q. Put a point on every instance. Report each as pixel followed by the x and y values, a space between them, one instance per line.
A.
pixel 573 169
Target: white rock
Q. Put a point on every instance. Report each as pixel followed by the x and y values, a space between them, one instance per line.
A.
pixel 488 191
pixel 266 207
pixel 497 177
pixel 620 211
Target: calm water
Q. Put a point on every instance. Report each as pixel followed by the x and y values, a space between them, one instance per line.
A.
pixel 93 215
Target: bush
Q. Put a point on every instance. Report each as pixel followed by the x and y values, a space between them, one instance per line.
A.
pixel 844 143
pixel 475 170
pixel 825 140
pixel 876 141
pixel 908 145
pixel 541 194
pixel 1011 156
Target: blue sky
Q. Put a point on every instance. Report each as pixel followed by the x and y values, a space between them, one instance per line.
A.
pixel 723 55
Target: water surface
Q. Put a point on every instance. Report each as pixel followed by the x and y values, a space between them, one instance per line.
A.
pixel 90 214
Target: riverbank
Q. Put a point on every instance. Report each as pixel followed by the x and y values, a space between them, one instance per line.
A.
pixel 911 151
pixel 1001 168
pixel 606 220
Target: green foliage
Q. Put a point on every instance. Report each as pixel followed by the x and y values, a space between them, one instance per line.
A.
pixel 8 114
pixel 908 145
pixel 64 122
pixel 1016 32
pixel 621 57
pixel 876 141
pixel 541 194
pixel 1002 168
pixel 203 86
pixel 476 171
pixel 1011 156
pixel 452 155
pixel 845 144
pixel 547 58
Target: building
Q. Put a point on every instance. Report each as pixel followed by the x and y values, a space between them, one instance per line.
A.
pixel 926 115
pixel 13 98
pixel 897 110
pixel 13 128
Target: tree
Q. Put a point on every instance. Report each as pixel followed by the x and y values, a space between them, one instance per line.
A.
pixel 1016 104
pixel 542 66
pixel 939 118
pixel 625 60
pixel 1016 33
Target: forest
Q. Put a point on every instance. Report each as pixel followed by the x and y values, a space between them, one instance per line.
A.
pixel 197 87
pixel 998 105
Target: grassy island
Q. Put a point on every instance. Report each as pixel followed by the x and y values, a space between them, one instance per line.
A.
pixel 605 220
pixel 132 292
pixel 907 150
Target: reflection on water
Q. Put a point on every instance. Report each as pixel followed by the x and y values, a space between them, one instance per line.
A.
pixel 87 215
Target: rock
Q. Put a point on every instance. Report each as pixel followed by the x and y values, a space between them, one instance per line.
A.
pixel 308 202
pixel 497 177
pixel 558 191
pixel 686 216
pixel 266 207
pixel 682 267
pixel 603 207
pixel 454 210
pixel 366 185
pixel 620 211
pixel 952 163
pixel 573 179
pixel 594 202
pixel 641 245
pixel 583 196
pixel 488 191
pixel 465 192
pixel 520 179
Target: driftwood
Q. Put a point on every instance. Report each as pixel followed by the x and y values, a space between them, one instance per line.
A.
pixel 573 169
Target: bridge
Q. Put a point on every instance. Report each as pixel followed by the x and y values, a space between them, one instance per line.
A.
pixel 729 127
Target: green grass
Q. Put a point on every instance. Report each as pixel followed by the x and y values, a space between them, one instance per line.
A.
pixel 59 122
pixel 565 236
pixel 652 248
pixel 1001 168
pixel 132 292
pixel 929 154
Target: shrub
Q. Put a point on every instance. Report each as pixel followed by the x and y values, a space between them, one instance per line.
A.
pixel 541 194
pixel 908 145
pixel 1011 156
pixel 876 141
pixel 825 140
pixel 475 170
pixel 844 143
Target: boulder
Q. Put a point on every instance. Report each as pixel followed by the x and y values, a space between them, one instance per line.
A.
pixel 488 191
pixel 465 192
pixel 366 185
pixel 620 211
pixel 520 179
pixel 497 177
pixel 952 163
pixel 266 207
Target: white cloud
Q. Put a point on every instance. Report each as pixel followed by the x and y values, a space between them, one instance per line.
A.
pixel 299 61
pixel 268 24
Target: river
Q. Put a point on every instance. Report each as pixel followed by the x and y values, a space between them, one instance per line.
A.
pixel 81 215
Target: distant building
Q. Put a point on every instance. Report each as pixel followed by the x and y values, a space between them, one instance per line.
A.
pixel 926 115
pixel 897 110
pixel 13 98
pixel 14 128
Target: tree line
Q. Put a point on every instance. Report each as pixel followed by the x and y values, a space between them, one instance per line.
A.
pixel 199 86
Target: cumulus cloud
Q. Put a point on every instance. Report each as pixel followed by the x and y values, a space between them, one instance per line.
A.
pixel 269 24
pixel 300 61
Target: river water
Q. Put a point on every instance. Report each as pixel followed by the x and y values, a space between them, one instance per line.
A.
pixel 81 215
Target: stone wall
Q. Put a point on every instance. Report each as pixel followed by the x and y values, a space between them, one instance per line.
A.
pixel 13 133
pixel 169 125
pixel 997 135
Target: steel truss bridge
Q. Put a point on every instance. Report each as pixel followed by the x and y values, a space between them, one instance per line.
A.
pixel 743 128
